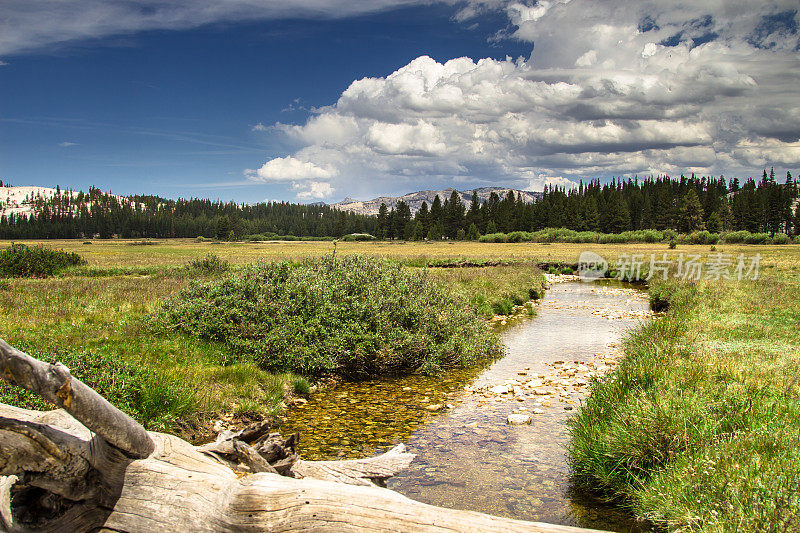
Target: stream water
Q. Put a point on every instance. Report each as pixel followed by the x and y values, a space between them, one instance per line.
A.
pixel 468 457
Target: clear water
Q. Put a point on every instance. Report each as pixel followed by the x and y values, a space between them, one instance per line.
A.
pixel 468 457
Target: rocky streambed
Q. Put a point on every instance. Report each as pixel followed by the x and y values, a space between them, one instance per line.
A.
pixel 490 438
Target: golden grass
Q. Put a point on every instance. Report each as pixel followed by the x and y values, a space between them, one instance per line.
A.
pixel 101 253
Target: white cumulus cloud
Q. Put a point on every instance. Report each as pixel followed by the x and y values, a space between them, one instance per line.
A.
pixel 305 177
pixel 289 169
pixel 612 88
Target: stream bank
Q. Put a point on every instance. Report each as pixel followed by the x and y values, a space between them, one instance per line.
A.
pixel 468 455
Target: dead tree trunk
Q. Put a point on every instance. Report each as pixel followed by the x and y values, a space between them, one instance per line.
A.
pixel 90 467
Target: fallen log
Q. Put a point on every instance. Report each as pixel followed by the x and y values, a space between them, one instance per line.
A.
pixel 86 467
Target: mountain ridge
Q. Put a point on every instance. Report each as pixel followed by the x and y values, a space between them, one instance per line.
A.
pixel 415 199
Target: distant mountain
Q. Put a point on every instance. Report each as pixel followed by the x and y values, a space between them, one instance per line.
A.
pixel 23 200
pixel 415 199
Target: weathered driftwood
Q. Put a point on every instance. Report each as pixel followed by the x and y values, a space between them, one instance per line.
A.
pixel 257 450
pixel 55 384
pixel 61 474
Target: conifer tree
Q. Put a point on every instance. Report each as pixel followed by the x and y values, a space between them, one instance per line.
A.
pixel 418 233
pixel 472 233
pixel 383 220
pixel 691 212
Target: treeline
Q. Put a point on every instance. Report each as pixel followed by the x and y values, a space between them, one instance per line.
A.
pixel 685 205
pixel 69 215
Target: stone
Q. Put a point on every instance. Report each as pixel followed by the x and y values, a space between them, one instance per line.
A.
pixel 499 389
pixel 537 411
pixel 518 419
pixel 568 408
pixel 434 407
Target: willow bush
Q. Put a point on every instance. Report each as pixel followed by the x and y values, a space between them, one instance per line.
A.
pixel 20 261
pixel 354 316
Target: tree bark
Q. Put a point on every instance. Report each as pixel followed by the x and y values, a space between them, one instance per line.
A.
pixel 92 471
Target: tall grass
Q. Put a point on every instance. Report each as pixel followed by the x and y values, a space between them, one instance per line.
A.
pixel 696 429
pixel 354 316
pixel 93 325
pixel 493 290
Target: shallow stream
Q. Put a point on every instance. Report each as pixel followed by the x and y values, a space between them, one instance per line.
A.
pixel 468 457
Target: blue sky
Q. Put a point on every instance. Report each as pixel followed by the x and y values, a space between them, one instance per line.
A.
pixel 259 103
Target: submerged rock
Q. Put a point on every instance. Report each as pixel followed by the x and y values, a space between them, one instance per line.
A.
pixel 519 419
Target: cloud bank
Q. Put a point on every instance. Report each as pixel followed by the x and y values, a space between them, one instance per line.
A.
pixel 612 88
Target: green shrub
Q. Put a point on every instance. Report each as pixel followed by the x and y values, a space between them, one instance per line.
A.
pixel 673 244
pixel 736 237
pixel 519 236
pixel 352 315
pixel 651 235
pixel 745 237
pixel 260 237
pixel 210 264
pixel 21 261
pixel 567 270
pixel 702 237
pixel 781 238
pixel 758 238
pixel 552 270
pixel 494 237
pixel 269 236
pixel 5 285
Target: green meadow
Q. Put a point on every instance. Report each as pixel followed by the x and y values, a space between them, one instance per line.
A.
pixel 695 430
